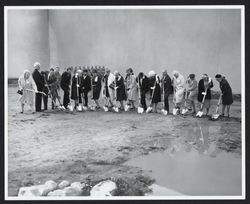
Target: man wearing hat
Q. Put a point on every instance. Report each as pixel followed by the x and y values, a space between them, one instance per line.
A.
pixel 39 80
pixel 85 86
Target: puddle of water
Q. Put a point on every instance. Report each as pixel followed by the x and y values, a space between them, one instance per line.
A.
pixel 192 173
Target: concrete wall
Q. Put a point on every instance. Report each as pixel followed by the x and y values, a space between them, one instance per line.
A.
pixel 191 41
pixel 28 40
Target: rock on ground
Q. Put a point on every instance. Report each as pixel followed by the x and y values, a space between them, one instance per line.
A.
pixel 104 188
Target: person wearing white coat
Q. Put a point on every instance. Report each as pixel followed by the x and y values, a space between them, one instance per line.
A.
pixel 179 88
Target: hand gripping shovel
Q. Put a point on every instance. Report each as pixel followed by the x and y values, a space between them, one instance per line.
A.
pixel 200 112
pixel 164 112
pixel 149 109
pixel 216 115
pixel 139 109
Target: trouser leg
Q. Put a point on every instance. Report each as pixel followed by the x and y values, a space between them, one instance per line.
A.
pixel 143 102
pixel 166 104
pixel 38 101
pixel 45 102
pixel 85 98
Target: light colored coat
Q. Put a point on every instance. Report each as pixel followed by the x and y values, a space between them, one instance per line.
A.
pixel 131 88
pixel 179 88
pixel 29 87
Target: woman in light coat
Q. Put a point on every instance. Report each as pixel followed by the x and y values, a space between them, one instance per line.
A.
pixel 179 88
pixel 28 89
pixel 131 87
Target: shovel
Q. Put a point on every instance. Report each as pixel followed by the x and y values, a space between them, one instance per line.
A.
pixel 185 110
pixel 200 112
pixel 105 108
pixel 139 109
pixel 149 109
pixel 115 108
pixel 126 108
pixel 164 112
pixel 175 110
pixel 216 115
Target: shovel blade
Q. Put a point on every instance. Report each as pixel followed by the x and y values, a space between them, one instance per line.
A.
pixel 149 109
pixel 105 108
pixel 79 108
pixel 199 114
pixel 184 111
pixel 70 107
pixel 140 110
pixel 126 108
pixel 215 116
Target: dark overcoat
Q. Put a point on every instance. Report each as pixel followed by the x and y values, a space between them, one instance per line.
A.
pixel 120 91
pixel 227 97
pixel 39 80
pixel 76 79
pixel 201 88
pixel 97 85
pixel 156 95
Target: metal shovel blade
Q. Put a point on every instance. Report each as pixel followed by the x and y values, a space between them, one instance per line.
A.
pixel 175 111
pixel 184 111
pixel 85 108
pixel 149 109
pixel 165 112
pixel 70 107
pixel 79 108
pixel 105 108
pixel 126 108
pixel 116 109
pixel 199 114
pixel 140 110
pixel 215 116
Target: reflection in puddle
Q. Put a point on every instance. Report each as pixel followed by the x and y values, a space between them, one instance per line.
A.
pixel 194 167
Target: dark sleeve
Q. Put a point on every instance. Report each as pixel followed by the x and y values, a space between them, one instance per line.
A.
pixel 38 78
pixel 224 87
pixel 211 84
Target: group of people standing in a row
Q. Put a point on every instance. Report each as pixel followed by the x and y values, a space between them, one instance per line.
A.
pixel 76 85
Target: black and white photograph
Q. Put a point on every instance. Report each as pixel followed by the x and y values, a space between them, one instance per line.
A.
pixel 124 102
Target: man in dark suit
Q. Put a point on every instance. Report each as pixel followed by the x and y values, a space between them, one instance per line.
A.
pixel 144 85
pixel 167 88
pixel 65 85
pixel 85 86
pixel 39 80
pixel 45 89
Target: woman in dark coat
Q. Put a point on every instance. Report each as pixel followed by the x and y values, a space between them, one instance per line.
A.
pixel 205 83
pixel 65 85
pixel 226 91
pixel 96 88
pixel 143 83
pixel 76 93
pixel 120 89
pixel 155 89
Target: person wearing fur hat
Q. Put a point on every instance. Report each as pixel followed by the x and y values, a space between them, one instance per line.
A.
pixel 205 85
pixel 179 88
pixel 226 91
pixel 155 89
pixel 120 89
pixel 192 90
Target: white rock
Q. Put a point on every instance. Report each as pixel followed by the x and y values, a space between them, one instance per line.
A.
pixel 68 191
pixel 31 191
pixel 64 184
pixel 78 185
pixel 52 185
pixel 104 188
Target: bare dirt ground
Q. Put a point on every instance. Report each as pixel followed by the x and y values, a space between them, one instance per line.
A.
pixel 92 146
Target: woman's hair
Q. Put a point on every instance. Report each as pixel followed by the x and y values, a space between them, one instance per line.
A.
pixel 191 76
pixel 218 76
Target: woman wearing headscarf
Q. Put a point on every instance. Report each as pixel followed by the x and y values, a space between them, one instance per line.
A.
pixel 192 90
pixel 155 89
pixel 179 88
pixel 226 91
pixel 120 89
pixel 28 88
pixel 131 88
pixel 204 87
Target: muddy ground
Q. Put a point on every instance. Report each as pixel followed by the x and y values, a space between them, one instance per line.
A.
pixel 93 146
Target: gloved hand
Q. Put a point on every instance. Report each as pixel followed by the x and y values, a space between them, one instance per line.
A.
pixel 204 93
